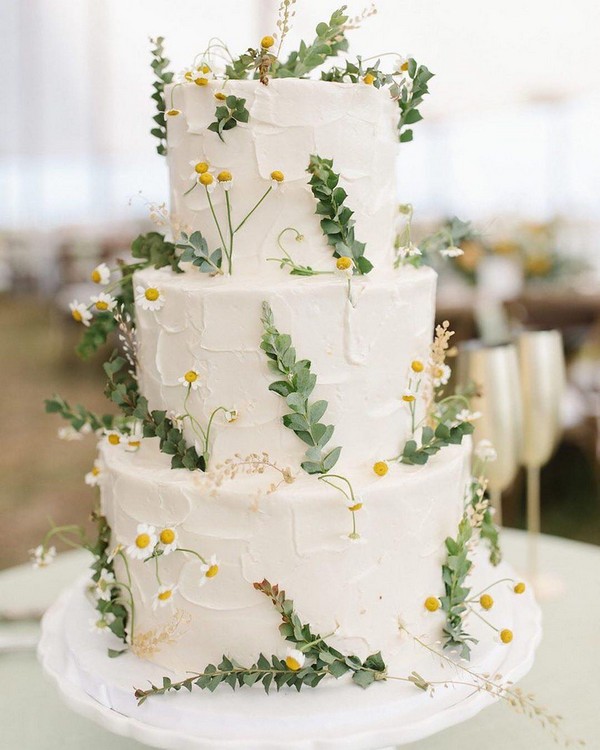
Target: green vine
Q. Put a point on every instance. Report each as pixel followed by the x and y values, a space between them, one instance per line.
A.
pixel 78 416
pixel 228 115
pixel 432 441
pixel 323 660
pixel 410 98
pixel 159 66
pixel 337 224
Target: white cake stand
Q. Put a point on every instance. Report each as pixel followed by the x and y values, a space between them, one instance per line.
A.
pixel 337 716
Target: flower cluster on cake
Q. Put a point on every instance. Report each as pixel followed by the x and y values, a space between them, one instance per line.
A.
pixel 284 417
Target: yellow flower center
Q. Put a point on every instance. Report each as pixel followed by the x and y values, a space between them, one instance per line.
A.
pixel 225 176
pixel 164 596
pixel 95 471
pixel 380 468
pixel 96 276
pixel 292 663
pixel 432 604
pixel 417 366
pixel 408 397
pixel 206 179
pixel 173 112
pixel 191 376
pixel 368 79
pixel 220 96
pixel 204 68
pixel 188 76
pixel 114 439
pixel 151 294
pixel 167 536
pixel 404 66
pixel 277 175
pixel 343 263
pixel 142 541
pixel 520 588
pixel 101 305
pixel 355 507
pixel 77 315
pixel 201 167
pixel 267 42
pixel 486 601
pixel 201 81
pixel 212 571
pixel 133 443
pixel 506 635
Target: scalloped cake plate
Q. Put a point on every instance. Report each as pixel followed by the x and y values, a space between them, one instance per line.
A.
pixel 340 716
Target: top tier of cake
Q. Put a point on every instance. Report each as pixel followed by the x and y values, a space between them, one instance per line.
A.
pixel 289 120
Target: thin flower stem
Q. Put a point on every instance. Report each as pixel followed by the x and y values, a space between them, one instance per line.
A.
pixel 70 529
pixel 192 552
pixel 482 618
pixel 129 588
pixel 208 428
pixel 245 219
pixel 187 192
pixel 231 232
pixel 212 210
pixel 487 588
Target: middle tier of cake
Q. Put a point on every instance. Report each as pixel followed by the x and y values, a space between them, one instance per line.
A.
pixel 360 348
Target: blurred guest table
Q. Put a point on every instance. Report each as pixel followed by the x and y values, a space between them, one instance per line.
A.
pixel 565 677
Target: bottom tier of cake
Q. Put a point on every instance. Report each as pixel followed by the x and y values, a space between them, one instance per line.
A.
pixel 293 533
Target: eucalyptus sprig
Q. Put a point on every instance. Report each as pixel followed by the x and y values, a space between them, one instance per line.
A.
pixel 355 72
pixel 228 115
pixel 337 224
pixel 163 76
pixel 454 573
pixel 195 251
pixel 433 440
pixel 296 388
pixel 78 416
pixel 410 97
pixel 154 250
pixel 273 672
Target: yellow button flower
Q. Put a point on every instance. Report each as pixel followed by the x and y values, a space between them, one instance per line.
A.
pixel 432 604
pixel 368 79
pixel 506 635
pixel 220 96
pixel 417 365
pixel 173 112
pixel 380 468
pixel 519 588
pixel 267 42
pixel 201 81
pixel 486 601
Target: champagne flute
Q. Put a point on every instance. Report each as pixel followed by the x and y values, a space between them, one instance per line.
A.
pixel 495 372
pixel 542 371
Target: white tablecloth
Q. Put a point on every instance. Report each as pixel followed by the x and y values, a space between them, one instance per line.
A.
pixel 566 676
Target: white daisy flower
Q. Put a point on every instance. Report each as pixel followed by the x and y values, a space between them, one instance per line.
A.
pixel 101 274
pixel 80 312
pixel 41 556
pixel 409 251
pixel 113 553
pixel 225 179
pixel 485 451
pixel 344 267
pixel 133 441
pixel 149 297
pixel 103 623
pixel 164 596
pixel 231 415
pixel 168 539
pixel 114 437
pixel 199 167
pixel 92 478
pixel 104 302
pixel 104 585
pixel 294 659
pixel 144 543
pixel 191 379
pixel 209 569
pixel 417 365
pixel 176 418
pixel 451 252
pixel 355 504
pixel 409 396
pixel 69 433
pixel 441 375
pixel 277 179
pixel 467 416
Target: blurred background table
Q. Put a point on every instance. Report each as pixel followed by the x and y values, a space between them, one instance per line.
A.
pixel 566 675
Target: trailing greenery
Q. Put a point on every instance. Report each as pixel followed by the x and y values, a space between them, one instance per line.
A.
pixel 296 389
pixel 491 534
pixel 337 224
pixel 433 440
pixel 452 234
pixel 195 251
pixel 159 65
pixel 410 98
pixel 323 660
pixel 454 573
pixel 482 518
pixel 228 115
pixel 156 251
pixel 78 416
pixel 355 72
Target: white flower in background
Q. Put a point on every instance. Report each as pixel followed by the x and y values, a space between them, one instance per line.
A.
pixel 408 396
pixel 452 252
pixel 344 266
pixel 144 543
pixel 409 251
pixel 69 433
pixel 80 312
pixel 104 302
pixel 200 167
pixel 355 504
pixel 101 274
pixel 113 553
pixel 467 416
pixel 191 379
pixel 133 441
pixel 164 596
pixel 294 659
pixel 41 556
pixel 441 375
pixel 92 478
pixel 225 179
pixel 168 539
pixel 102 624
pixel 231 415
pixel 209 569
pixel 402 64
pixel 485 451
pixel 277 179
pixel 177 419
pixel 104 585
pixel 149 297
pixel 114 437
pixel 417 365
